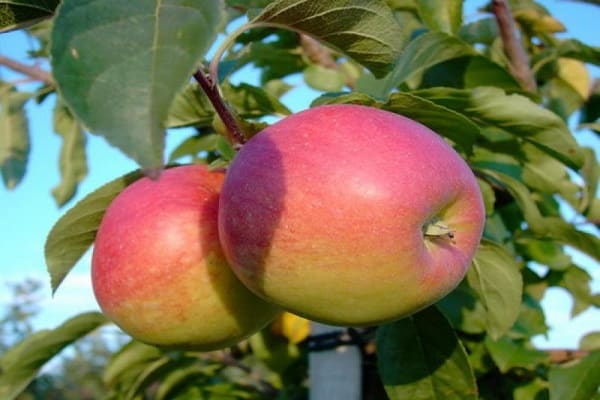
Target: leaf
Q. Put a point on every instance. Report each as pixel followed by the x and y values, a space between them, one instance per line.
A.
pixel 324 79
pixel 576 381
pixel 463 311
pixel 75 231
pixel 531 321
pixel 570 48
pixel 19 14
pixel 553 228
pixel 294 328
pixel 508 354
pixel 420 358
pixel 119 65
pixel 484 30
pixel 253 102
pixel 441 15
pixel 21 363
pixel 440 119
pixel 364 30
pixel 191 107
pixel 194 145
pixel 424 52
pixel 73 161
pixel 577 281
pixel 128 360
pixel 14 135
pixel 576 75
pixel 495 277
pixel 515 115
pixel 590 341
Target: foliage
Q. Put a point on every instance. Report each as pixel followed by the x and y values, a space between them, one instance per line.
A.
pixel 120 71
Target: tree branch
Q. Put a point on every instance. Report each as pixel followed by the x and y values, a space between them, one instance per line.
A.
pixel 320 55
pixel 211 90
pixel 517 57
pixel 36 73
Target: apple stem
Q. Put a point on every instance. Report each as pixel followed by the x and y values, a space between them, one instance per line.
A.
pixel 437 229
pixel 210 88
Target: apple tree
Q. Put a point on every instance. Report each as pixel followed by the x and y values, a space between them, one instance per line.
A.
pixel 507 90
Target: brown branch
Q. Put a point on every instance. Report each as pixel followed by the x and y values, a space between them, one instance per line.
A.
pixel 33 72
pixel 211 90
pixel 513 48
pixel 559 356
pixel 318 54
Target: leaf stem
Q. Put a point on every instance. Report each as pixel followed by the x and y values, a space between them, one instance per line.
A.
pixel 513 48
pixel 31 71
pixel 210 88
pixel 213 67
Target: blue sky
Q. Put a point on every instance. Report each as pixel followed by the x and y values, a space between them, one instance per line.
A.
pixel 29 212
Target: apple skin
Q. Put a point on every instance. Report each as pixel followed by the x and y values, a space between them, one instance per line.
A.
pixel 158 270
pixel 324 212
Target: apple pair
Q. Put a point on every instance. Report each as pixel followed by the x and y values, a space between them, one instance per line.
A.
pixel 343 214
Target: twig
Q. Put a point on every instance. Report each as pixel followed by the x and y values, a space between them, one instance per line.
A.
pixel 36 73
pixel 517 57
pixel 559 356
pixel 320 55
pixel 211 90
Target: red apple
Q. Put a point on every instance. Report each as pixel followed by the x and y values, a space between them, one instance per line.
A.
pixel 158 270
pixel 350 215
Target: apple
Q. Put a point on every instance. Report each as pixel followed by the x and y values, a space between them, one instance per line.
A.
pixel 350 215
pixel 158 270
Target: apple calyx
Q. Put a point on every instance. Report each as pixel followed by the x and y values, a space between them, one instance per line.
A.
pixel 437 229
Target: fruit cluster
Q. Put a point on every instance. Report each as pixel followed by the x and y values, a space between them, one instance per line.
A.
pixel 342 214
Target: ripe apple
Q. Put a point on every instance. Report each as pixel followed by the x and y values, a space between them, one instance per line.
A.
pixel 158 270
pixel 350 215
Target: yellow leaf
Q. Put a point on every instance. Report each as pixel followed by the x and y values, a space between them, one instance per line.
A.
pixel 575 73
pixel 292 327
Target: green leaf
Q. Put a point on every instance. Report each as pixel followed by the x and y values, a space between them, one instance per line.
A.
pixel 441 15
pixel 19 14
pixel 495 277
pixel 20 364
pixel 534 389
pixel 463 311
pixel 73 161
pixel 545 252
pixel 508 354
pixel 591 175
pixel 364 30
pixel 590 341
pixel 324 79
pixel 576 381
pixel 420 358
pixel 515 115
pixel 483 31
pixel 14 135
pixel 194 145
pixel 552 228
pixel 424 52
pixel 577 281
pixel 440 119
pixel 570 48
pixel 129 360
pixel 253 102
pixel 545 174
pixel 119 65
pixel 531 321
pixel 191 107
pixel 75 231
